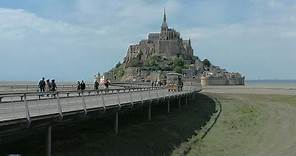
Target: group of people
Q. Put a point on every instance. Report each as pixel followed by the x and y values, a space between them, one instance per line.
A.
pixel 157 83
pixel 47 85
pixel 106 83
pixel 50 85
pixel 80 85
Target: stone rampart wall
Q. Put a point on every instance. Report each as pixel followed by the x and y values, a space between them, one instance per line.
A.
pixel 223 81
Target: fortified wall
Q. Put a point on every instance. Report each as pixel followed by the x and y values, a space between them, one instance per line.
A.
pixel 216 81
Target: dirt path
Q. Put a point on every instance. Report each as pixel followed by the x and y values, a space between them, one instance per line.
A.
pixel 252 125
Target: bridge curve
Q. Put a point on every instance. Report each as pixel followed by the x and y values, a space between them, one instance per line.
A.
pixel 20 110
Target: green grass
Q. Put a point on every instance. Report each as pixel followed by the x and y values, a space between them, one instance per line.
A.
pixel 246 124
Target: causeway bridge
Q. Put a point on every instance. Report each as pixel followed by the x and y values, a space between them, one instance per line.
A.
pixel 26 110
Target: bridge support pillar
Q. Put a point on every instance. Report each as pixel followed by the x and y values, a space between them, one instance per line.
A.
pixel 168 104
pixel 186 99
pixel 179 103
pixel 116 123
pixel 48 141
pixel 149 111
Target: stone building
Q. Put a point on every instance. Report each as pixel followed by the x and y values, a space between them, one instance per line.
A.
pixel 167 43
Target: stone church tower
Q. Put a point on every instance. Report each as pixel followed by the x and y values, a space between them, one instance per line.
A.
pixel 164 28
pixel 167 44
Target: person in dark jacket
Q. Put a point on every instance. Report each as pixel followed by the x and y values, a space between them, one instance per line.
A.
pixel 107 83
pixel 41 85
pixel 53 88
pixel 78 86
pixel 53 85
pixel 82 85
pixel 96 85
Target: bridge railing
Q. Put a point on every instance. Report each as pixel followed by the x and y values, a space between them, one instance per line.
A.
pixel 64 102
pixel 121 87
pixel 33 95
pixel 34 88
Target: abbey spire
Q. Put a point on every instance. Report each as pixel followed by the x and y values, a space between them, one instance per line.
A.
pixel 164 25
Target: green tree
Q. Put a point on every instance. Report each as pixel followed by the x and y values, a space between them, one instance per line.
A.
pixel 178 62
pixel 152 61
pixel 178 69
pixel 118 72
pixel 118 65
pixel 206 63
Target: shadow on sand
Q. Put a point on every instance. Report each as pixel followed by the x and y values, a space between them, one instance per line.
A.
pixel 137 135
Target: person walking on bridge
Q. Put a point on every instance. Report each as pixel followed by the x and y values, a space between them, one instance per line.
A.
pixel 41 85
pixel 78 87
pixel 47 86
pixel 53 86
pixel 82 85
pixel 96 85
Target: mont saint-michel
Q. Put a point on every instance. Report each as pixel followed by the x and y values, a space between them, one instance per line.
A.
pixel 174 82
pixel 166 51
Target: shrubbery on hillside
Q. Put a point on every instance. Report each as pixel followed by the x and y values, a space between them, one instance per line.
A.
pixel 178 64
pixel 206 63
pixel 118 70
pixel 153 63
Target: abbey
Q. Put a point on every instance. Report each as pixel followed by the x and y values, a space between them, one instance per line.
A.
pixel 164 52
pixel 167 44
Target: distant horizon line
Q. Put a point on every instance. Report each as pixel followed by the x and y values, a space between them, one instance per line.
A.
pixel 93 79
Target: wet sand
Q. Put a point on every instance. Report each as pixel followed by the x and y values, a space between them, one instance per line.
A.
pixel 250 90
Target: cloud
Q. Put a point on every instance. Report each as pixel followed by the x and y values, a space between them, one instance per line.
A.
pixel 32 46
pixel 255 50
pixel 75 39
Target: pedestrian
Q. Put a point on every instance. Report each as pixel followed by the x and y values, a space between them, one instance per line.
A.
pixel 107 83
pixel 41 85
pixel 53 85
pixel 53 88
pixel 82 85
pixel 161 83
pixel 182 85
pixel 96 85
pixel 78 86
pixel 47 86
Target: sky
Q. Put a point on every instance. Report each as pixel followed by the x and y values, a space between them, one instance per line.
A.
pixel 75 39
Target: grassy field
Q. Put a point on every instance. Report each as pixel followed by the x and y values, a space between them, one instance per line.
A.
pixel 250 124
pixel 137 136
